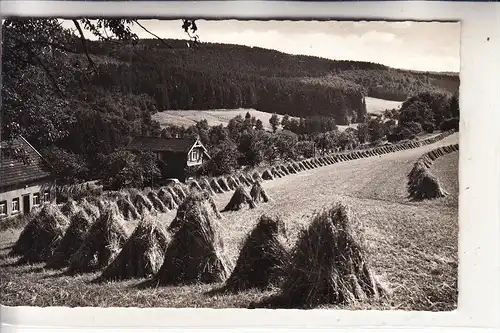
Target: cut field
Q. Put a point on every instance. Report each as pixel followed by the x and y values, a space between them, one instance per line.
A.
pixel 412 246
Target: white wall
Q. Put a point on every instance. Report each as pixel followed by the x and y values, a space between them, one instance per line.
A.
pixel 25 191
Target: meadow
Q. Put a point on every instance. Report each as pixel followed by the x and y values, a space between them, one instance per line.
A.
pixel 412 246
pixel 187 118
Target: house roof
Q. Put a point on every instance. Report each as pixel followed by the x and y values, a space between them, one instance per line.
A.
pixel 21 170
pixel 155 144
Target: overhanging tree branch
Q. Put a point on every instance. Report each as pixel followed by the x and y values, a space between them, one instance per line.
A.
pixel 149 32
pixel 84 44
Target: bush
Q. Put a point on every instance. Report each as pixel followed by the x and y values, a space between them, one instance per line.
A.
pixel 125 169
pixel 400 133
pixel 428 127
pixel 414 127
pixel 450 124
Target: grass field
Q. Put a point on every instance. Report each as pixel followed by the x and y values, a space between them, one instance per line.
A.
pixel 377 106
pixel 221 117
pixel 412 246
pixel 214 117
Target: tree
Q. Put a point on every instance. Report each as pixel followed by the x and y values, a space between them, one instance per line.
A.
pixel 285 122
pixel 454 106
pixel 376 129
pixel 400 133
pixel 274 121
pixel 247 115
pixel 428 127
pixel 305 148
pixel 416 112
pixel 224 159
pixel 450 124
pixel 363 133
pixel 69 167
pixel 258 125
pixel 123 169
pixel 414 127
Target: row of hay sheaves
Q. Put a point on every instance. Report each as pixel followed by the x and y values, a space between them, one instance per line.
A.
pixel 422 184
pixel 327 264
pixel 227 183
pixel 231 182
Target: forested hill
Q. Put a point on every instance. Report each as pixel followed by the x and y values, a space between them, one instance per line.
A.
pixel 208 76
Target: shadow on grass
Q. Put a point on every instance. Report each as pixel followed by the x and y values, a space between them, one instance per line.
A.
pixel 54 275
pixel 222 290
pixel 274 302
pixel 151 283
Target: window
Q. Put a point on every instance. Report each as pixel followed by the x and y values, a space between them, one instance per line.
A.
pixel 46 196
pixel 3 208
pixel 15 205
pixel 36 199
pixel 194 155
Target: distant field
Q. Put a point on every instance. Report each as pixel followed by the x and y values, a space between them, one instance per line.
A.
pixel 223 116
pixel 213 117
pixel 376 105
pixel 187 118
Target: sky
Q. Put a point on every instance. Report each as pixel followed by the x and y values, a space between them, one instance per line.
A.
pixel 427 46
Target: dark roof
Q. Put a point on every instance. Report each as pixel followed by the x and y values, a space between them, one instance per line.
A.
pixel 21 170
pixel 155 144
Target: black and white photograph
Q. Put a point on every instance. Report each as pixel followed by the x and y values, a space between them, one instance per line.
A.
pixel 255 164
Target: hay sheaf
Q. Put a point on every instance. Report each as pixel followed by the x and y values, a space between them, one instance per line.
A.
pixel 41 236
pixel 89 208
pixel 263 258
pixel 73 238
pixel 422 184
pixel 258 194
pixel 239 198
pixel 174 195
pixel 223 184
pixel 157 203
pixel 196 251
pixel 141 202
pixel 127 209
pixel 70 208
pixel 267 175
pixel 232 182
pixel 101 244
pixel 188 209
pixel 143 253
pixel 167 198
pixel 328 264
pixel 194 186
pixel 215 186
pixel 205 185
pixel 180 191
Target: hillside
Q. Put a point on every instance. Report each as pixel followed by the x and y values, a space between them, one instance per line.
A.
pixel 222 76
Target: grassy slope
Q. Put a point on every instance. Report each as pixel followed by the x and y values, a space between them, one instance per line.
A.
pixel 412 246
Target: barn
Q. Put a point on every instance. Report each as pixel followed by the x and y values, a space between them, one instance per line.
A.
pixel 174 155
pixel 26 179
